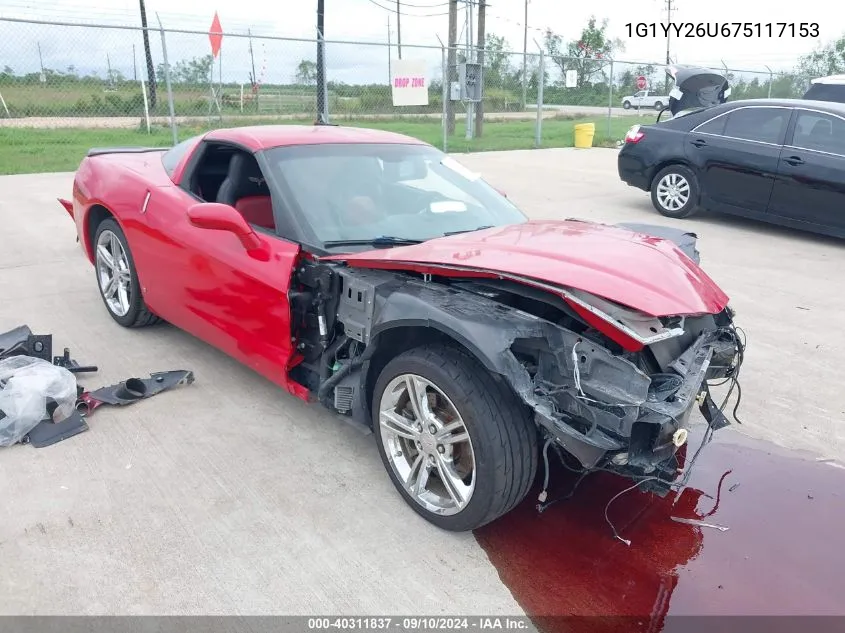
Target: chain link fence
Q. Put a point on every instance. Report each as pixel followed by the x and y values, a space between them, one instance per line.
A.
pixel 97 77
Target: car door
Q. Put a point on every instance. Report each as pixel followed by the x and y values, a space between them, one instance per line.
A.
pixel 810 184
pixel 736 155
pixel 207 283
pixel 639 98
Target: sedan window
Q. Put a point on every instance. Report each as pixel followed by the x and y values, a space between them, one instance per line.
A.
pixel 713 126
pixel 820 132
pixel 765 125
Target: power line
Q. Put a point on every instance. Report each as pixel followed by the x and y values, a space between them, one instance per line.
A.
pixel 413 15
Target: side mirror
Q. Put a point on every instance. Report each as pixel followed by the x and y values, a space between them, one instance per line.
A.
pixel 222 217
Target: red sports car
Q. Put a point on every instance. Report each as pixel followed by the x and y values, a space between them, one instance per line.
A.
pixel 372 273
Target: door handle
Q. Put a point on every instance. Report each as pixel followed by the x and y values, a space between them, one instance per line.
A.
pixel 794 160
pixel 699 142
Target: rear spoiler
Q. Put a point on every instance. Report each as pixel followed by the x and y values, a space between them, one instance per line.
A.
pixel 68 205
pixel 99 151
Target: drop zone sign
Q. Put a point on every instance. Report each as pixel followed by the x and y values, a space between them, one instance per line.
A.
pixel 409 82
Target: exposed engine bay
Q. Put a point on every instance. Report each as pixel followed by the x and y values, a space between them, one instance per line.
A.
pixel 612 388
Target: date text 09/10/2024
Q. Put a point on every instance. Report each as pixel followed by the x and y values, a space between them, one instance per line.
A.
pixel 723 29
pixel 421 623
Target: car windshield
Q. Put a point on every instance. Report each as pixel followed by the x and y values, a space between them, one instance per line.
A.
pixel 391 193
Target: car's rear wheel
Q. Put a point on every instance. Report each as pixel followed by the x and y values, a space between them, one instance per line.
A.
pixel 658 105
pixel 674 191
pixel 117 279
pixel 459 446
pixel 627 105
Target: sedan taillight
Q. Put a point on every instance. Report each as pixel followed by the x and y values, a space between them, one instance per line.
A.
pixel 634 135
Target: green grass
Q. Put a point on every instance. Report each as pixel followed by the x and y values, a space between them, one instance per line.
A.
pixel 28 150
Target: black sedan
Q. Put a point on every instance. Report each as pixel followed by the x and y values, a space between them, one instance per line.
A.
pixel 776 160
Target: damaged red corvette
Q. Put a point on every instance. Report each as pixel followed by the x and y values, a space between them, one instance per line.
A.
pixel 372 273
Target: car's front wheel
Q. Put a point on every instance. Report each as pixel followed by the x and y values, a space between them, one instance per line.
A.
pixel 117 278
pixel 674 191
pixel 459 446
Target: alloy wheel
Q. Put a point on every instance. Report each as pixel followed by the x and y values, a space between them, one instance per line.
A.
pixel 113 273
pixel 427 444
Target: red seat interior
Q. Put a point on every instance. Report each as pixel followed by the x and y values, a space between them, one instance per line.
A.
pixel 257 210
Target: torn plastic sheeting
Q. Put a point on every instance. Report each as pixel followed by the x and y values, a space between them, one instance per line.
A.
pixel 26 386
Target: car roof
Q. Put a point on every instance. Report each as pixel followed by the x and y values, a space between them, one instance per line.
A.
pixel 261 137
pixel 831 106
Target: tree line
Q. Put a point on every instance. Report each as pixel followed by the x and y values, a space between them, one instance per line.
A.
pixel 508 82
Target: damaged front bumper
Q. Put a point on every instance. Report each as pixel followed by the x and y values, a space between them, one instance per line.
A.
pixel 624 420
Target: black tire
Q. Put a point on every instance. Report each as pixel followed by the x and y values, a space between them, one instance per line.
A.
pixel 658 105
pixel 138 314
pixel 503 434
pixel 691 204
pixel 626 105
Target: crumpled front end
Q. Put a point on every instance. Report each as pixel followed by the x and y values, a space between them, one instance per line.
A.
pixel 628 412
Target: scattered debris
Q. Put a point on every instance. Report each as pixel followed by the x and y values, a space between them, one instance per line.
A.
pixel 133 389
pixel 721 528
pixel 41 402
pixel 734 487
pixel 802 308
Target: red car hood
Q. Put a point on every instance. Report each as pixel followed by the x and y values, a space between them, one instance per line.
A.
pixel 643 272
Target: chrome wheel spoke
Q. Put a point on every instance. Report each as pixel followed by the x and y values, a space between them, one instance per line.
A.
pixel 111 288
pixel 417 480
pixel 454 486
pixel 398 425
pixel 105 257
pixel 453 433
pixel 418 399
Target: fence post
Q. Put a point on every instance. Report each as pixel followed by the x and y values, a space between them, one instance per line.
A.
pixel 771 79
pixel 541 79
pixel 167 81
pixel 446 94
pixel 610 100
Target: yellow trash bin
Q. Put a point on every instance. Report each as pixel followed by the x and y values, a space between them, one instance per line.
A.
pixel 584 133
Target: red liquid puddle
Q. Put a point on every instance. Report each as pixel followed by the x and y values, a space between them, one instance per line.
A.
pixel 784 552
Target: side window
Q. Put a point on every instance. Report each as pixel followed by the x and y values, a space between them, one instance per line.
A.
pixel 641 93
pixel 821 132
pixel 172 157
pixel 232 176
pixel 713 126
pixel 765 125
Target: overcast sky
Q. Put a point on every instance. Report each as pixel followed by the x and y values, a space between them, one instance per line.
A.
pixel 422 21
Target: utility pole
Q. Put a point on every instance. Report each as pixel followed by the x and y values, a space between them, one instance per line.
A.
pixel 322 106
pixel 134 65
pixel 479 107
pixel 399 29
pixel 452 64
pixel 151 72
pixel 669 10
pixel 469 59
pixel 389 55
pixel 525 57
